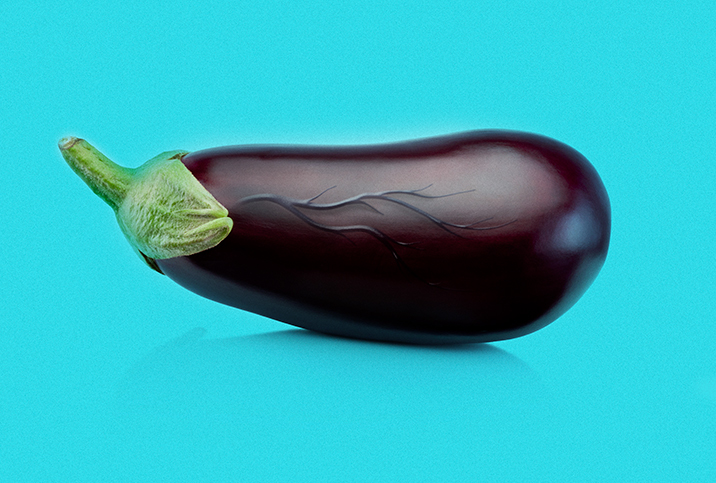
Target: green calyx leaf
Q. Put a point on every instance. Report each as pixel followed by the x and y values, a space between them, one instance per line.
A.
pixel 162 209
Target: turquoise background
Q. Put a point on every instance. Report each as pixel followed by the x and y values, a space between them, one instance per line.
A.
pixel 110 372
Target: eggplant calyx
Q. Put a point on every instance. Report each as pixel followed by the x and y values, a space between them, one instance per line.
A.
pixel 162 209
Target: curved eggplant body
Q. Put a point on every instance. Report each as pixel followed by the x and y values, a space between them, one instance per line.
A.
pixel 473 237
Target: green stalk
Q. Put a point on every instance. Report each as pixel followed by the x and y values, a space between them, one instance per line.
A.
pixel 162 209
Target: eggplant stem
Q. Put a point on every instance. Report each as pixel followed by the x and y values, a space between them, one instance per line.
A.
pixel 107 179
pixel 162 209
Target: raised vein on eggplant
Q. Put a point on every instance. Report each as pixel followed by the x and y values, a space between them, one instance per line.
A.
pixel 294 207
pixel 162 209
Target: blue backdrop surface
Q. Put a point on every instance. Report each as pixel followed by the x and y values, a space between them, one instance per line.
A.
pixel 111 372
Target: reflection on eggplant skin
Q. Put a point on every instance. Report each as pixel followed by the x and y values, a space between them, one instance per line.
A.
pixel 281 371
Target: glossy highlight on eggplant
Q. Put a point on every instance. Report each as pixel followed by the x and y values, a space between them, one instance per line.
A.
pixel 472 237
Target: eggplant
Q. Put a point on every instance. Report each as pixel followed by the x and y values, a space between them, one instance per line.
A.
pixel 470 237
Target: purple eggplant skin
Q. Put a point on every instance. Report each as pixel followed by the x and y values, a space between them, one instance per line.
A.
pixel 471 237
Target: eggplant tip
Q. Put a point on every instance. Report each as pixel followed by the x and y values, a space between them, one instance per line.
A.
pixel 67 142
